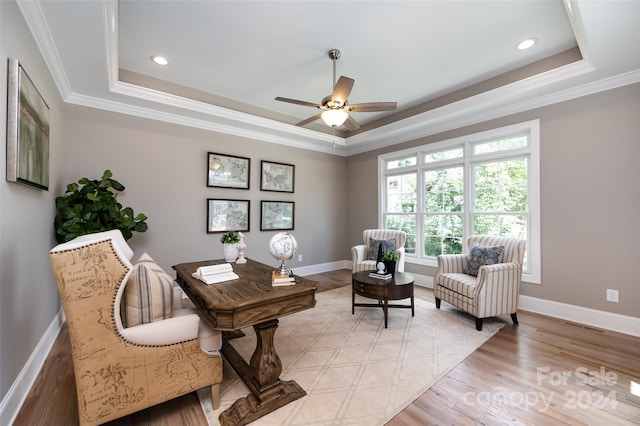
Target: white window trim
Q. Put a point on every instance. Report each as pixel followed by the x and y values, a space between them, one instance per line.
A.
pixel 534 274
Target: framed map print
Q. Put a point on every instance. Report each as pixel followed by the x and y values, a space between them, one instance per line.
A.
pixel 227 171
pixel 227 215
pixel 276 215
pixel 277 177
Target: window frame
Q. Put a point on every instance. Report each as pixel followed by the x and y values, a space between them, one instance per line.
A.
pixel 468 160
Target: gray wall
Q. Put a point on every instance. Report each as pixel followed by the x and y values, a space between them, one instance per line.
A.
pixel 590 198
pixel 28 297
pixel 164 167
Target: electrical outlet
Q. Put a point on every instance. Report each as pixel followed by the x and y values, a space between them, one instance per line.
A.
pixel 612 295
pixel 299 258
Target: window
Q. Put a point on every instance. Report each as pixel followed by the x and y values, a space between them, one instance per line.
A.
pixel 486 183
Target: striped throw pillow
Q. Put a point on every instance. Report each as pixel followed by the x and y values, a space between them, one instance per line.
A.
pixel 147 295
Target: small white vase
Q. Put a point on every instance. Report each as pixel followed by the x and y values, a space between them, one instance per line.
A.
pixel 230 252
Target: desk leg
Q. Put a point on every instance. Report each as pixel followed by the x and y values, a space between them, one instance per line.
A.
pixel 262 377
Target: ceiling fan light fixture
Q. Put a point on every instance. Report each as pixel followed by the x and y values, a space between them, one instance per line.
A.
pixel 334 117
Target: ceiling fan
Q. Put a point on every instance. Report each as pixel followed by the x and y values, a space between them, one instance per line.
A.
pixel 335 109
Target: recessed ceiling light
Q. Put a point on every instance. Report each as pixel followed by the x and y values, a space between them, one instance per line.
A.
pixel 160 60
pixel 525 44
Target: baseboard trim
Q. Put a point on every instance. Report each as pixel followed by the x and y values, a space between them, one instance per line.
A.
pixel 607 320
pixel 15 397
pixel 321 267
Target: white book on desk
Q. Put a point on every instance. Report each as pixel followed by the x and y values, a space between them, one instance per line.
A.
pixel 215 273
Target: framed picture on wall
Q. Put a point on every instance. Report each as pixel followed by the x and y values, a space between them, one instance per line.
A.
pixel 27 130
pixel 277 215
pixel 277 177
pixel 228 171
pixel 227 215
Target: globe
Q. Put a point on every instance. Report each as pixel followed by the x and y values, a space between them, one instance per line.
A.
pixel 282 247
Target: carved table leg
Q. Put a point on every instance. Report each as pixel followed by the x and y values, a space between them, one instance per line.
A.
pixel 262 376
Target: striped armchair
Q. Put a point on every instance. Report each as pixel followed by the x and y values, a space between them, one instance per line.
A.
pixel 495 289
pixel 360 253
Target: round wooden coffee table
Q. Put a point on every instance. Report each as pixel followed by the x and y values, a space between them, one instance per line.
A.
pixel 399 287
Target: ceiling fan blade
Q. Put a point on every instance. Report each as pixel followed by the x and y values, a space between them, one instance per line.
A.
pixel 351 124
pixel 297 102
pixel 308 120
pixel 372 106
pixel 342 89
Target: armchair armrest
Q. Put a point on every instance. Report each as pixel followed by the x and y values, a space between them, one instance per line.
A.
pixel 359 253
pixel 451 263
pixel 510 272
pixel 498 288
pixel 400 262
pixel 164 332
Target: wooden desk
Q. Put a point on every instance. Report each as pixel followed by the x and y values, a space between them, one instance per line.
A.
pixel 250 301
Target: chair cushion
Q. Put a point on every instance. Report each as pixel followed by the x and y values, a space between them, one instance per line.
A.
pixel 148 295
pixel 460 283
pixel 482 255
pixel 375 244
pixel 210 340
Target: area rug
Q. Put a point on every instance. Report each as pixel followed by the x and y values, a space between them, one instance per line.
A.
pixel 355 371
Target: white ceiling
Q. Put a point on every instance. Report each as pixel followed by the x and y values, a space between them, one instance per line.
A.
pixel 230 59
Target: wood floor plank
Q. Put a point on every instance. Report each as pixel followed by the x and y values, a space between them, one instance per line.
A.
pixel 489 387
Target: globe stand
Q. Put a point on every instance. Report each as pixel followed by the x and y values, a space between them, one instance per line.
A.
pixel 283 269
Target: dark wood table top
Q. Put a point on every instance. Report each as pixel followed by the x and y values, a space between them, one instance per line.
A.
pixel 249 300
pixel 399 278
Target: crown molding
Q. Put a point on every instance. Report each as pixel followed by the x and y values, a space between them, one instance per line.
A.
pixel 152 104
pixel 34 17
pixel 480 108
pixel 199 123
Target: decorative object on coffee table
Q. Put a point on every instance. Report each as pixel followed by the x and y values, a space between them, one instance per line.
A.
pixel 282 247
pixel 389 258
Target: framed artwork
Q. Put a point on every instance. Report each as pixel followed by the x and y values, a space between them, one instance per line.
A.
pixel 277 177
pixel 227 215
pixel 277 215
pixel 228 171
pixel 27 130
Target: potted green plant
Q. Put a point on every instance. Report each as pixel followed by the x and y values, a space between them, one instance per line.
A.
pixel 389 258
pixel 229 242
pixel 90 206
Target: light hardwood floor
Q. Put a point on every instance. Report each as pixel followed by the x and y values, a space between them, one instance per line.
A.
pixel 543 371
